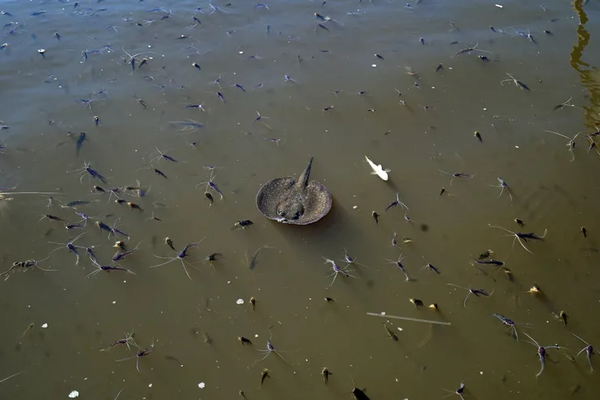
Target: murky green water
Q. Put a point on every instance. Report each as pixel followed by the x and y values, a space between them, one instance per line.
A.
pixel 400 110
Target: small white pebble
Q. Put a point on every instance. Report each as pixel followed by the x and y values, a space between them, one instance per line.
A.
pixel 355 207
pixel 201 385
pixel 45 325
pixel 74 394
pixel 114 302
pixel 150 385
pixel 383 313
pixel 239 301
pixel 516 147
pixel 241 52
pixel 374 65
pixel 499 5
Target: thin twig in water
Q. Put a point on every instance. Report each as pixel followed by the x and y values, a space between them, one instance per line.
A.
pixel 12 376
pixel 426 321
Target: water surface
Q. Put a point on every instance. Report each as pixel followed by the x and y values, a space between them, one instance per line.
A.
pixel 400 109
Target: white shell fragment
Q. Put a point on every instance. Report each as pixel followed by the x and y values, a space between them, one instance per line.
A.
pixel 201 385
pixel 45 325
pixel 239 302
pixel 74 394
pixel 378 170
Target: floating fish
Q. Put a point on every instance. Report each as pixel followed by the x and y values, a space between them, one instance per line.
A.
pixel 378 170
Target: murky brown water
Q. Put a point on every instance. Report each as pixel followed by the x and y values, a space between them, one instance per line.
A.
pixel 255 47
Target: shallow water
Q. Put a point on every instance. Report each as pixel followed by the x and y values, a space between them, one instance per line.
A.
pixel 255 47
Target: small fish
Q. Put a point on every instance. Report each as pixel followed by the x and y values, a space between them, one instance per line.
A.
pixel 379 56
pixel 134 206
pixel 264 375
pixel 522 85
pixel 483 58
pixel 535 289
pixel 74 226
pixel 584 231
pixel 76 203
pixel 485 255
pixel 252 303
pixel 329 300
pixel 490 262
pixel 439 68
pixel 196 66
pixel 169 243
pixel 417 303
pixel 395 203
pixel 244 340
pixel 478 136
pixel 564 317
pixel 442 191
pixel 375 217
pixel 243 223
pixel 519 222
pixel 325 374
pixel 433 306
pixel 508 274
pixel 160 173
pixel 209 197
pixel 52 217
pixel 378 170
pixel 28 329
pixel 390 332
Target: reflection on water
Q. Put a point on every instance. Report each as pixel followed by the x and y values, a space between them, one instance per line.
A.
pixel 118 115
pixel 588 73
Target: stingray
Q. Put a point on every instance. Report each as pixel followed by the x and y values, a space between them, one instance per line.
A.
pixel 291 201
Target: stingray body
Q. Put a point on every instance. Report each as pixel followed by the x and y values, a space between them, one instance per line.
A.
pixel 294 201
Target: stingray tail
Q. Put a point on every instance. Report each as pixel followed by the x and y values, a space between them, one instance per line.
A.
pixel 303 180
